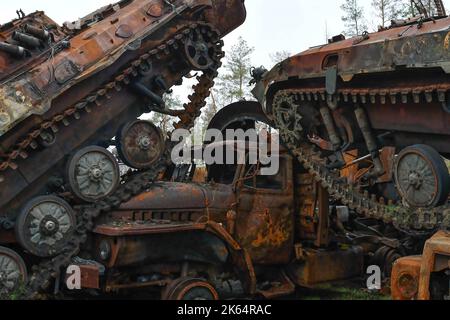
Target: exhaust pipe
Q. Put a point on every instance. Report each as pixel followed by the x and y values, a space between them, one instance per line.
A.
pixel 13 50
pixel 37 32
pixel 27 40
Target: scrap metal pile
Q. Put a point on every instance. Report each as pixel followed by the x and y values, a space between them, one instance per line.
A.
pixel 353 180
pixel 65 93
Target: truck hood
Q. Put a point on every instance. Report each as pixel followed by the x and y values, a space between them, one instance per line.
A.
pixel 183 196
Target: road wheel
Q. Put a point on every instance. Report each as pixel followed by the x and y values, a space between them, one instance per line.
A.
pixel 141 144
pixel 13 272
pixel 422 177
pixel 93 174
pixel 45 225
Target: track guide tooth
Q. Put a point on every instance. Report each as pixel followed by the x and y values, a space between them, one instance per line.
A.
pixel 393 97
pixel 441 95
pixel 13 165
pixel 429 96
pixel 24 155
pixel 54 128
pixel 405 97
pixel 34 145
pixel 416 96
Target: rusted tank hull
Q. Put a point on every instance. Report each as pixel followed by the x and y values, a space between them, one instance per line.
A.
pixel 100 52
pixel 401 73
pixel 69 92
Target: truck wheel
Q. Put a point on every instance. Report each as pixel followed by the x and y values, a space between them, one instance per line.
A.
pixel 190 289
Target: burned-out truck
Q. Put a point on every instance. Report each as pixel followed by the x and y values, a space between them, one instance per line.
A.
pixel 238 233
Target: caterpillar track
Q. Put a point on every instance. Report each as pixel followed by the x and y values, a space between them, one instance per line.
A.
pixel 368 205
pixel 164 57
pixel 133 185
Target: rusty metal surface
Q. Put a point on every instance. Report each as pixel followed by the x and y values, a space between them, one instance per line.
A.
pixel 412 276
pixel 90 277
pixel 362 101
pixel 101 57
pixel 85 91
pixel 408 46
pixel 319 266
pixel 90 52
pixel 405 278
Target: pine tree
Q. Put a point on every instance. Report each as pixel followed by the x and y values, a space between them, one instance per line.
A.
pixel 430 5
pixel 353 18
pixel 388 10
pixel 233 84
pixel 210 110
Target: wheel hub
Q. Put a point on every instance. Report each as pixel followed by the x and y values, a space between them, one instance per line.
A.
pixel 422 177
pixel 12 271
pixel 141 144
pixel 49 226
pixel 45 225
pixel 144 142
pixel 96 173
pixel 93 174
pixel 415 180
pixel 202 47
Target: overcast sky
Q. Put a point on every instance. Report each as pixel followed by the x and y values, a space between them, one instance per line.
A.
pixel 271 25
pixel 291 25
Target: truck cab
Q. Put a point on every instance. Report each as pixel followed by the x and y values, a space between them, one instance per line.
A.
pixel 231 224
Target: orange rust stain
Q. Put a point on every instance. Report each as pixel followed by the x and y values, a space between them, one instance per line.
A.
pixel 274 235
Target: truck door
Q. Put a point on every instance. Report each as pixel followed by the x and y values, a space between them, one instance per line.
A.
pixel 265 221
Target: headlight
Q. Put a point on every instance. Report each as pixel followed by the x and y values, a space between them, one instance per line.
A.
pixel 408 286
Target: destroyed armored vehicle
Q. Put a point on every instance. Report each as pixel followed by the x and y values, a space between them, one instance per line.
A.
pixel 65 92
pixel 368 117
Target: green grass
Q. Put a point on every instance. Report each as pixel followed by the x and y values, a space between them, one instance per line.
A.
pixel 17 294
pixel 340 292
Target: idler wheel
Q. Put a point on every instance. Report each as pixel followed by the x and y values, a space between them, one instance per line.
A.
pixel 190 289
pixel 199 51
pixel 45 225
pixel 141 144
pixel 93 174
pixel 13 272
pixel 422 177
